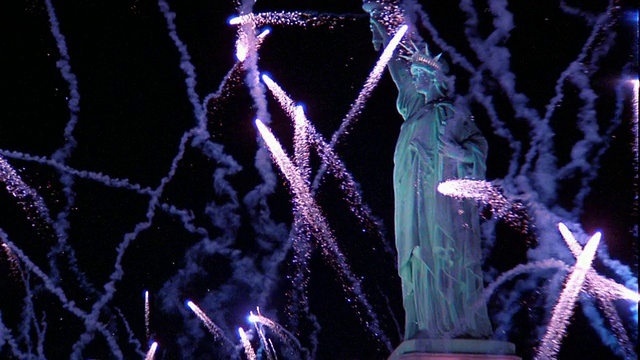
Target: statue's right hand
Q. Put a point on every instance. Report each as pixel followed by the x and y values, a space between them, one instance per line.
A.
pixel 380 36
pixel 378 30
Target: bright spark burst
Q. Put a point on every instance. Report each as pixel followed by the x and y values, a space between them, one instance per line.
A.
pixel 208 323
pixel 290 18
pixel 147 314
pixel 369 85
pixel 486 193
pixel 27 197
pixel 604 291
pixel 152 351
pixel 550 343
pixel 248 349
pixel 277 329
pixel 330 161
pixel 596 284
pixel 304 202
pixel 262 336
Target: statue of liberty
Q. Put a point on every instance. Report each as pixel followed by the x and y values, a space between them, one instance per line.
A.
pixel 437 237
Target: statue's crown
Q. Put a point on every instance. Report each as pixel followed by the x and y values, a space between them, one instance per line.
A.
pixel 422 59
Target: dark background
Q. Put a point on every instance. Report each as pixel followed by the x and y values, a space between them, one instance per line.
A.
pixel 134 110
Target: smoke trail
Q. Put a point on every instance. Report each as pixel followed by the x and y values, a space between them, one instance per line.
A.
pixel 132 337
pixel 61 225
pixel 185 60
pixel 7 338
pixel 65 70
pixel 91 323
pixel 83 174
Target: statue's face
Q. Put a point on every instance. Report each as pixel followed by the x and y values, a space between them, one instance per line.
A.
pixel 377 38
pixel 426 82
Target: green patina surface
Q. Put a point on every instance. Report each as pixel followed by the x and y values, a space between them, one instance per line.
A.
pixel 437 238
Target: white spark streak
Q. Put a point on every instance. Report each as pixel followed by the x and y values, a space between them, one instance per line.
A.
pixel 370 84
pixel 304 202
pixel 147 314
pixel 263 338
pixel 152 351
pixel 596 284
pixel 246 344
pixel 210 325
pixel 550 343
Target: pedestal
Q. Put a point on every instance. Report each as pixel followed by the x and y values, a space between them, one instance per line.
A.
pixel 454 349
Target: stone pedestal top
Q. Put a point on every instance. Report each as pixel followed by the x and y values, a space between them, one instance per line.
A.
pixel 454 349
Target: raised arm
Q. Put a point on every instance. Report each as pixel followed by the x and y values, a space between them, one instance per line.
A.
pixel 384 19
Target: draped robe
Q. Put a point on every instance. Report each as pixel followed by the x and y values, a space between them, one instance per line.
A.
pixel 437 237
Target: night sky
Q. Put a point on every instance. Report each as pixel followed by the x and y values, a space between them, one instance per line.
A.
pixel 218 233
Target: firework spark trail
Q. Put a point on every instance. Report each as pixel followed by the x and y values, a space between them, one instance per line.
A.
pixel 28 198
pixel 301 152
pixel 246 344
pixel 304 202
pixel 147 315
pixel 550 343
pixel 299 301
pixel 214 329
pixel 261 335
pixel 12 259
pixel 597 285
pixel 290 18
pixel 333 163
pixel 486 193
pixel 300 231
pixel 268 232
pixel 604 291
pixel 152 351
pixel 217 333
pixel 634 123
pixel 621 336
pixel 280 331
pixel 286 103
pixel 367 89
pixel 230 81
